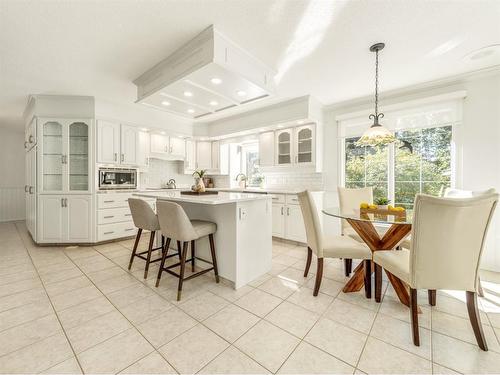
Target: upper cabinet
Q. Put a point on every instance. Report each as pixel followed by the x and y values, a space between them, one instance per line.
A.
pixel 266 149
pixel 64 163
pixel 294 146
pixel 203 155
pixel 304 142
pixel 118 144
pixel 284 147
pixel 129 145
pixel 168 147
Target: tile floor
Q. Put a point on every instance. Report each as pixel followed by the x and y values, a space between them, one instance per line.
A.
pixel 79 310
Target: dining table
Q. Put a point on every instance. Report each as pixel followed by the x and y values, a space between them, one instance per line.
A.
pixel 396 226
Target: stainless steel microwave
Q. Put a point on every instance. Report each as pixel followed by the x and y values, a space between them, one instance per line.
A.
pixel 117 178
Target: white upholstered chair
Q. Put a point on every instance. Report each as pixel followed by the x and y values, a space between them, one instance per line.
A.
pixel 174 223
pixel 329 246
pixel 446 245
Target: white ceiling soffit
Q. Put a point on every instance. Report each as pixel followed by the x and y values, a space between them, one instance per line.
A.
pixel 207 75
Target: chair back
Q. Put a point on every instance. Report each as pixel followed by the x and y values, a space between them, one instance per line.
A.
pixel 349 200
pixel 143 215
pixel 174 222
pixel 311 222
pixel 447 241
pixel 459 193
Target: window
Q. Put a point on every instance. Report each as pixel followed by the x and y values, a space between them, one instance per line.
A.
pixel 419 162
pixel 250 163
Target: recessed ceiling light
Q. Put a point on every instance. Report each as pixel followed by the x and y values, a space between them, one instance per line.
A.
pixel 190 110
pixel 280 126
pixel 300 122
pixel 216 81
pixel 213 102
pixel 163 133
pixel 165 103
pixel 241 93
pixel 144 129
pixel 188 94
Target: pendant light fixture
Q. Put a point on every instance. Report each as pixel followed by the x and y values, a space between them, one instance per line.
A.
pixel 376 135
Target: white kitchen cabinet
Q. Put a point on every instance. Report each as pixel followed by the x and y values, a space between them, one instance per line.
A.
pixel 278 220
pixel 177 147
pixel 160 144
pixel 304 145
pixel 129 145
pixel 168 147
pixel 284 147
pixel 108 142
pixel 30 135
pixel 266 149
pixel 65 218
pixel 295 229
pixel 30 191
pixel 288 222
pixel 143 149
pixel 215 155
pixel 203 155
pixel 220 158
pixel 190 159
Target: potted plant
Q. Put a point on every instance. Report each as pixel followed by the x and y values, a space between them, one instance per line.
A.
pixel 382 203
pixel 199 185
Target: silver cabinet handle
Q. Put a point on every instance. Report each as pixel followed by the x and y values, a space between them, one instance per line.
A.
pixel 109 217
pixel 30 139
pixel 31 189
pixel 25 188
pixel 65 202
pixel 25 144
pixel 129 229
pixel 288 211
pixel 108 201
pixel 123 157
pixel 62 159
pixel 115 156
pixel 109 232
pixel 281 211
pixel 62 202
pixel 128 214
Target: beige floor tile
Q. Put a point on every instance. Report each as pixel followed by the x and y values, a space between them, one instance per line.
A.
pixel 452 303
pixel 23 298
pixel 462 356
pixel 438 369
pixel 153 363
pixel 279 286
pixel 97 330
pixel 359 298
pixel 23 314
pixel 231 322
pixel 338 340
pixel 307 359
pixel 9 270
pixel 494 319
pixel 69 366
pixel 276 268
pixel 166 326
pixel 379 357
pixel 108 273
pixel 304 298
pixel 129 295
pixel 294 275
pixel 228 292
pixel 399 333
pixel 194 349
pixel 79 252
pixel 73 298
pixel 259 280
pixel 258 302
pixel 79 314
pixel 293 319
pixel 461 329
pixel 284 259
pixel 328 286
pixel 268 345
pixel 146 309
pixel 60 275
pixel 28 333
pixel 38 356
pixel 233 361
pixel 350 315
pixel 116 283
pixel 20 286
pixel 18 276
pixel 393 307
pixel 115 354
pixel 203 305
pixel 54 289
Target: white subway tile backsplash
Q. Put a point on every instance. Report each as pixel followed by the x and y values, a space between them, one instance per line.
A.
pixel 160 171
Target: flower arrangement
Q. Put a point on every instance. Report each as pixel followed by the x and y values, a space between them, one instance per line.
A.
pixel 199 185
pixel 382 201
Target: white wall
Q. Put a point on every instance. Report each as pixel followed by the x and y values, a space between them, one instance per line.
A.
pixel 11 174
pixel 480 138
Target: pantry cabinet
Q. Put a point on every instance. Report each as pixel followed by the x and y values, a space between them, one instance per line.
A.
pixel 30 135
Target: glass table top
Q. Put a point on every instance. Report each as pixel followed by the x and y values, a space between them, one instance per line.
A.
pixel 361 215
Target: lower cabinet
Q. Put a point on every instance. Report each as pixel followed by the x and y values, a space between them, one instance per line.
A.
pixel 287 218
pixel 64 218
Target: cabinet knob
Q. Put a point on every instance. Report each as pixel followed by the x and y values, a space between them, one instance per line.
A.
pixel 123 157
pixel 31 190
pixel 115 157
pixel 25 188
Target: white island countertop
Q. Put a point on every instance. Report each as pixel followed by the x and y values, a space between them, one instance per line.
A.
pixel 212 199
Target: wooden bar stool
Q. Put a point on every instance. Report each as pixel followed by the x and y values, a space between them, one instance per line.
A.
pixel 145 219
pixel 174 223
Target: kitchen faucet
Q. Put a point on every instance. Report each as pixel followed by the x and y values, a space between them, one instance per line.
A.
pixel 243 179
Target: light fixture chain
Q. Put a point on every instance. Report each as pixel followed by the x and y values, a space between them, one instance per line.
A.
pixel 376 83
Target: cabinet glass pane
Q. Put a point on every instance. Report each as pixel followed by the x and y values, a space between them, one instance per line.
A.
pixel 52 156
pixel 78 156
pixel 284 148
pixel 304 139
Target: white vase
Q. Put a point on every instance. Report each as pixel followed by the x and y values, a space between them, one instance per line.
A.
pixel 200 185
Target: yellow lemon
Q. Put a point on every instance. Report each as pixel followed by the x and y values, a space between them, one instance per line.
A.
pixel 372 206
pixel 390 207
pixel 363 205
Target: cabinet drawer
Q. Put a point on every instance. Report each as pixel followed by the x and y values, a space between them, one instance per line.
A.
pixel 117 230
pixel 113 200
pixel 278 198
pixel 114 215
pixel 292 199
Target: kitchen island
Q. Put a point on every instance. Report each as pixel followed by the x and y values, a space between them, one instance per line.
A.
pixel 243 239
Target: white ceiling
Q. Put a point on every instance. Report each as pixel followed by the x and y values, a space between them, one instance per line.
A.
pixel 94 47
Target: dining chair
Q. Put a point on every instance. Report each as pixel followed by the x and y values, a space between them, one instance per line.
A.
pixel 447 242
pixel 329 246
pixel 349 200
pixel 174 223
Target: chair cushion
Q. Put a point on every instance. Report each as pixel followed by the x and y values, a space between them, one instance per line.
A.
pixel 345 247
pixel 203 228
pixel 396 262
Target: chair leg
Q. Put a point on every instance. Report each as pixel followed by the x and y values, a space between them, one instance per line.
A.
pixel 480 290
pixel 183 267
pixel 193 254
pixel 475 320
pixel 214 258
pixel 136 243
pixel 431 294
pixel 347 267
pixel 162 243
pixel 308 261
pixel 414 316
pixel 368 277
pixel 162 264
pixel 378 282
pixel 179 249
pixel 319 275
pixel 150 250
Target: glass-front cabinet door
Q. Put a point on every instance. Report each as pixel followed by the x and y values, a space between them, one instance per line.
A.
pixel 78 157
pixel 304 147
pixel 284 147
pixel 52 157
